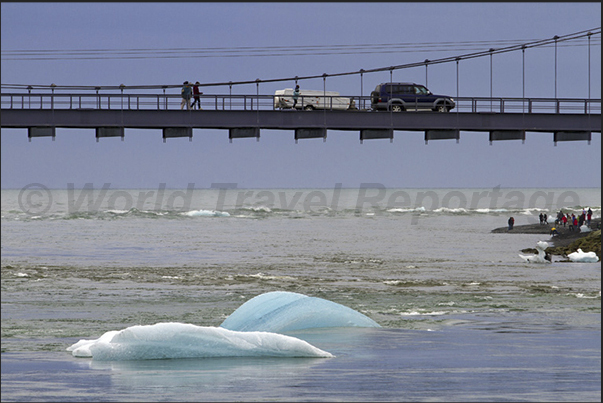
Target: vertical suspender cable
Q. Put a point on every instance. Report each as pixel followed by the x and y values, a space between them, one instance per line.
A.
pixel 324 92
pixel 589 34
pixel 523 91
pixel 457 82
pixel 555 38
pixel 491 50
pixel 457 96
pixel 257 106
pixel 523 78
pixel 391 94
pixel 426 64
pixel 361 101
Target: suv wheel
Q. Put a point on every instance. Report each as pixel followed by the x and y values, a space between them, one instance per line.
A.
pixel 308 108
pixel 442 108
pixel 396 108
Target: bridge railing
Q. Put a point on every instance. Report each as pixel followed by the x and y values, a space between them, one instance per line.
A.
pixel 87 101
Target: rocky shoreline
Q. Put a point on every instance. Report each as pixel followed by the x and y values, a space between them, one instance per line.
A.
pixel 566 242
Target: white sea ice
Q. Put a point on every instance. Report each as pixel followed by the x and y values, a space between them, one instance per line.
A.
pixel 583 257
pixel 181 340
pixel 252 330
pixel 540 257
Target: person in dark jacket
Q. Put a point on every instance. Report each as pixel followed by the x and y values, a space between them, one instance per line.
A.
pixel 185 92
pixel 197 98
pixel 295 95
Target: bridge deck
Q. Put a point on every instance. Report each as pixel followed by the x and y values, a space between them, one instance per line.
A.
pixel 291 119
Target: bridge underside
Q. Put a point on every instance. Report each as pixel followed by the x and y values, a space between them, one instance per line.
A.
pixel 306 124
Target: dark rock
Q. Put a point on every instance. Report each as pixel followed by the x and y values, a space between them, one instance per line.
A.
pixel 566 241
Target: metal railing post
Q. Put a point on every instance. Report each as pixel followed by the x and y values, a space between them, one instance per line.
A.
pixel 257 85
pixel 121 87
pixel 52 96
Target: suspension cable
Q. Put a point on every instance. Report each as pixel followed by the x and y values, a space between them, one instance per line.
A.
pixel 467 56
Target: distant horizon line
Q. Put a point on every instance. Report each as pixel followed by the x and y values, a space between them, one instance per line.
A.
pixel 321 188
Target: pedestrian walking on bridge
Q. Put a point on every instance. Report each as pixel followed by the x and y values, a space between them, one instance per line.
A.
pixel 185 92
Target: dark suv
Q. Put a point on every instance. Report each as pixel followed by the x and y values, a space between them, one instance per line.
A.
pixel 399 97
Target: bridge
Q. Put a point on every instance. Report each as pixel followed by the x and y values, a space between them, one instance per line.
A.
pixel 247 115
pixel 110 110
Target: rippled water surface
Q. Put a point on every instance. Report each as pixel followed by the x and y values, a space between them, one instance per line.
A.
pixel 462 316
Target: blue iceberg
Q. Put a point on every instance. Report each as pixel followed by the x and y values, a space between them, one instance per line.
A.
pixel 251 331
pixel 281 311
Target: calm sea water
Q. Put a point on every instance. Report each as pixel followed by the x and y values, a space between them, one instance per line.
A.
pixel 463 317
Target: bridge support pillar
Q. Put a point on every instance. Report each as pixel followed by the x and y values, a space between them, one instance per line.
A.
pixel 171 132
pixel 572 136
pixel 311 133
pixel 243 132
pixel 41 132
pixel 109 132
pixel 442 134
pixel 367 134
pixel 496 135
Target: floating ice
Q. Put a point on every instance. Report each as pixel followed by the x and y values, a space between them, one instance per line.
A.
pixel 583 257
pixel 541 257
pixel 206 213
pixel 282 311
pixel 180 340
pixel 251 330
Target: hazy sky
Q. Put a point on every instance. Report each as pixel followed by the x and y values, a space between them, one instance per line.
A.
pixel 276 161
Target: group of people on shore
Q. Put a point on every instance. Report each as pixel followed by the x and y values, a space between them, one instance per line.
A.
pixel 189 91
pixel 572 220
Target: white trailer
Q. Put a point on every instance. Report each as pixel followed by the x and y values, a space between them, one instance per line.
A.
pixel 312 99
